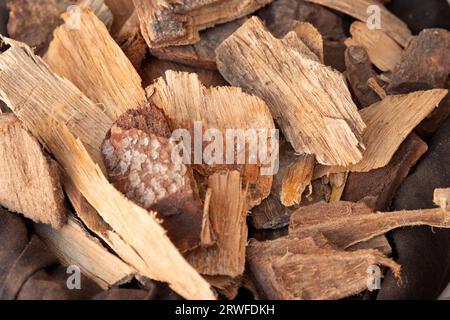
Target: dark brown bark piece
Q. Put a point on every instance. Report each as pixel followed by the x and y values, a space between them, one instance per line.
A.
pixel 423 252
pixel 33 21
pixel 358 71
pixel 425 63
pixel 383 183
pixel 138 158
pixel 202 53
pixel 155 68
pixel 290 268
pixel 281 13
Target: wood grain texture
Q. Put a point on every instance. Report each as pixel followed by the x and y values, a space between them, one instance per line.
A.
pixel 297 177
pixel 389 122
pixel 170 22
pixel 41 92
pixel 30 180
pixel 352 229
pixel 384 52
pixel 73 245
pixel 185 100
pixel 298 269
pixel 109 80
pixel 310 101
pixel 393 26
pixel 228 220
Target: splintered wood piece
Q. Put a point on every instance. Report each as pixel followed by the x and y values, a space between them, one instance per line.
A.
pixel 121 10
pixel 389 122
pixel 100 9
pixel 359 70
pixel 352 229
pixel 296 269
pixel 131 41
pixel 156 68
pixel 281 14
pixel 227 215
pixel 33 22
pixel 337 183
pixel 384 52
pixel 73 245
pixel 138 157
pixel 442 198
pixel 379 243
pixel 393 26
pixel 110 79
pixel 382 183
pixel 185 101
pixel 320 120
pixel 170 22
pixel 20 68
pixel 95 223
pixel 296 179
pixel 42 91
pixel 202 53
pixel 30 180
pixel 425 63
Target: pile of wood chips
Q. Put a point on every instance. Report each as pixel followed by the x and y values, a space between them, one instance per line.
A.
pixel 93 90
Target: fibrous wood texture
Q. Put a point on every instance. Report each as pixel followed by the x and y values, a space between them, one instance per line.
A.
pixel 298 176
pixel 202 53
pixel 227 215
pixel 109 80
pixel 185 100
pixel 384 52
pixel 393 26
pixel 73 245
pixel 29 179
pixel 297 269
pixel 41 92
pixel 389 122
pixel 169 22
pixel 310 101
pixel 352 229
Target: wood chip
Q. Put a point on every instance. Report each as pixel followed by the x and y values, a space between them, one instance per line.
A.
pixel 355 228
pixel 442 198
pixel 384 52
pixel 389 122
pixel 228 215
pixel 131 41
pixel 73 245
pixel 40 92
pixel 281 14
pixel 382 183
pixel 30 180
pixel 325 123
pixel 358 71
pixel 168 22
pixel 393 26
pixel 202 53
pixel 425 63
pixel 185 100
pixel 297 269
pixel 297 177
pixel 110 80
